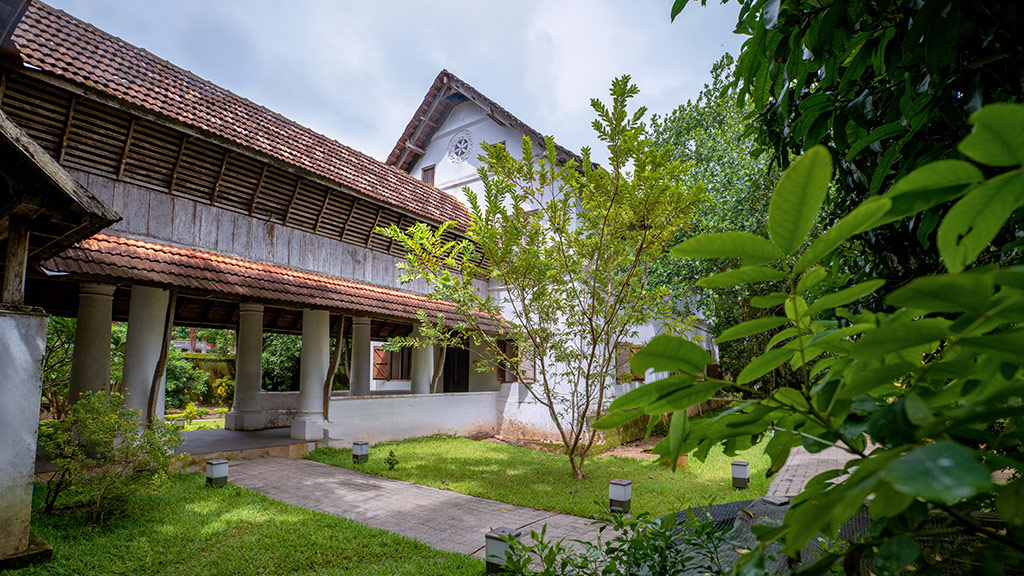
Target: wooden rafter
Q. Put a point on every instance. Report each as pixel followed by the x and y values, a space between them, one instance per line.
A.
pixel 295 194
pixel 3 86
pixel 351 212
pixel 316 229
pixel 401 223
pixel 177 162
pixel 220 177
pixel 441 95
pixel 127 147
pixel 67 129
pixel 259 187
pixel 376 221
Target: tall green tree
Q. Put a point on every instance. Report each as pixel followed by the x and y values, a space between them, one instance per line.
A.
pixel 709 134
pixel 887 86
pixel 573 248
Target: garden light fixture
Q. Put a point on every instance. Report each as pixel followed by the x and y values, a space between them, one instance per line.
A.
pixel 740 474
pixel 496 546
pixel 360 451
pixel 620 493
pixel 217 473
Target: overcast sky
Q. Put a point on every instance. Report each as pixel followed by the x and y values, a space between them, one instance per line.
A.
pixel 356 71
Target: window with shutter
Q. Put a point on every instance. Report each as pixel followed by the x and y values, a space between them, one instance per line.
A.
pixel 427 174
pixel 381 363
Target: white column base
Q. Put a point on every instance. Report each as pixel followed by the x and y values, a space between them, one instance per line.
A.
pixel 255 420
pixel 308 427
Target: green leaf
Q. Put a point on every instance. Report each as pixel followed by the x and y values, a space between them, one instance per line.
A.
pixel 888 502
pixel 916 409
pixel 755 326
pixel 943 472
pixel 769 300
pixel 783 335
pixel 764 364
pixel 676 433
pixel 930 185
pixel 972 223
pixel 613 420
pixel 944 293
pixel 883 132
pixel 998 135
pixel 778 449
pixel 797 198
pixel 677 7
pixel 751 248
pixel 1010 502
pixel 665 353
pixel 888 339
pixel 1006 346
pixel 812 278
pixel 741 276
pixel 862 218
pixel 845 296
pixel 896 554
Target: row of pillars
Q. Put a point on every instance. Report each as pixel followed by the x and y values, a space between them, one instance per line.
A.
pixel 90 367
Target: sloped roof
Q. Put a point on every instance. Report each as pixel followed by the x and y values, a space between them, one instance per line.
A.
pixel 62 45
pixel 447 92
pixel 117 258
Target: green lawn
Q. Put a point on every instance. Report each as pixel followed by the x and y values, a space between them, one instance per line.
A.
pixel 540 480
pixel 210 424
pixel 186 528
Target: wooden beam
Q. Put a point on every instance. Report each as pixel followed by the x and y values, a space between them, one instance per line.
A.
pixel 16 260
pixel 67 130
pixel 441 95
pixel 127 147
pixel 220 177
pixel 344 229
pixel 3 86
pixel 376 221
pixel 295 194
pixel 259 186
pixel 316 229
pixel 415 149
pixel 177 162
pixel 401 222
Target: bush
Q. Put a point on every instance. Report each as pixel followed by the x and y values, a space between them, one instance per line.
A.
pixel 190 413
pixel 220 410
pixel 281 358
pixel 103 456
pixel 224 391
pixel 185 382
pixel 639 545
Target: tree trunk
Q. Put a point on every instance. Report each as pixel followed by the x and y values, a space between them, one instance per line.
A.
pixel 440 352
pixel 333 368
pixel 161 364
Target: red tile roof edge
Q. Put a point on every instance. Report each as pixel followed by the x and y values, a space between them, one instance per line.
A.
pixel 119 258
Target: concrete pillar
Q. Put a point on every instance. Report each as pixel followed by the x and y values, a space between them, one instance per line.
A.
pixel 362 358
pixel 22 339
pixel 90 364
pixel 422 366
pixel 147 313
pixel 247 410
pixel 316 347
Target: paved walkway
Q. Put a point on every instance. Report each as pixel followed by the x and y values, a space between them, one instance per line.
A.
pixel 802 466
pixel 443 519
pixel 440 518
pixel 220 440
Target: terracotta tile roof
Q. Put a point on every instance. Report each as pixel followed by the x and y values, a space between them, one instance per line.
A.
pixel 114 258
pixel 434 110
pixel 58 43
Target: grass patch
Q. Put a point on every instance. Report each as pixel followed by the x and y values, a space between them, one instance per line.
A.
pixel 540 480
pixel 211 424
pixel 186 528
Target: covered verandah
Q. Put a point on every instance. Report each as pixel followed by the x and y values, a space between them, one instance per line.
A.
pixel 110 278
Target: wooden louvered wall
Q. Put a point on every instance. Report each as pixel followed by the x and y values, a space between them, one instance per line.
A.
pixel 88 135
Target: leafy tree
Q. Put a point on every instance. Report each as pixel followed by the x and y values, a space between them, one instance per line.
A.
pixel 60 348
pixel 185 382
pixel 281 360
pixel 710 135
pixel 887 86
pixel 575 271
pixel 927 397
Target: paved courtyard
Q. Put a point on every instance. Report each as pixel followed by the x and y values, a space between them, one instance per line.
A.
pixel 802 466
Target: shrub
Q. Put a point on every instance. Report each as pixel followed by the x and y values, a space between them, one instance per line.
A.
pixel 224 391
pixel 190 413
pixel 220 410
pixel 103 456
pixel 639 545
pixel 391 460
pixel 185 382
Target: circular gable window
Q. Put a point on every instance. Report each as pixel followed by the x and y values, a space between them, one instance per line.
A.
pixel 460 146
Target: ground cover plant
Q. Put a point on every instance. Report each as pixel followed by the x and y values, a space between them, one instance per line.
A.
pixel 537 479
pixel 182 527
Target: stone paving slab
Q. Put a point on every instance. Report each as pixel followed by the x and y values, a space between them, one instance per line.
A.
pixel 215 441
pixel 802 466
pixel 439 518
